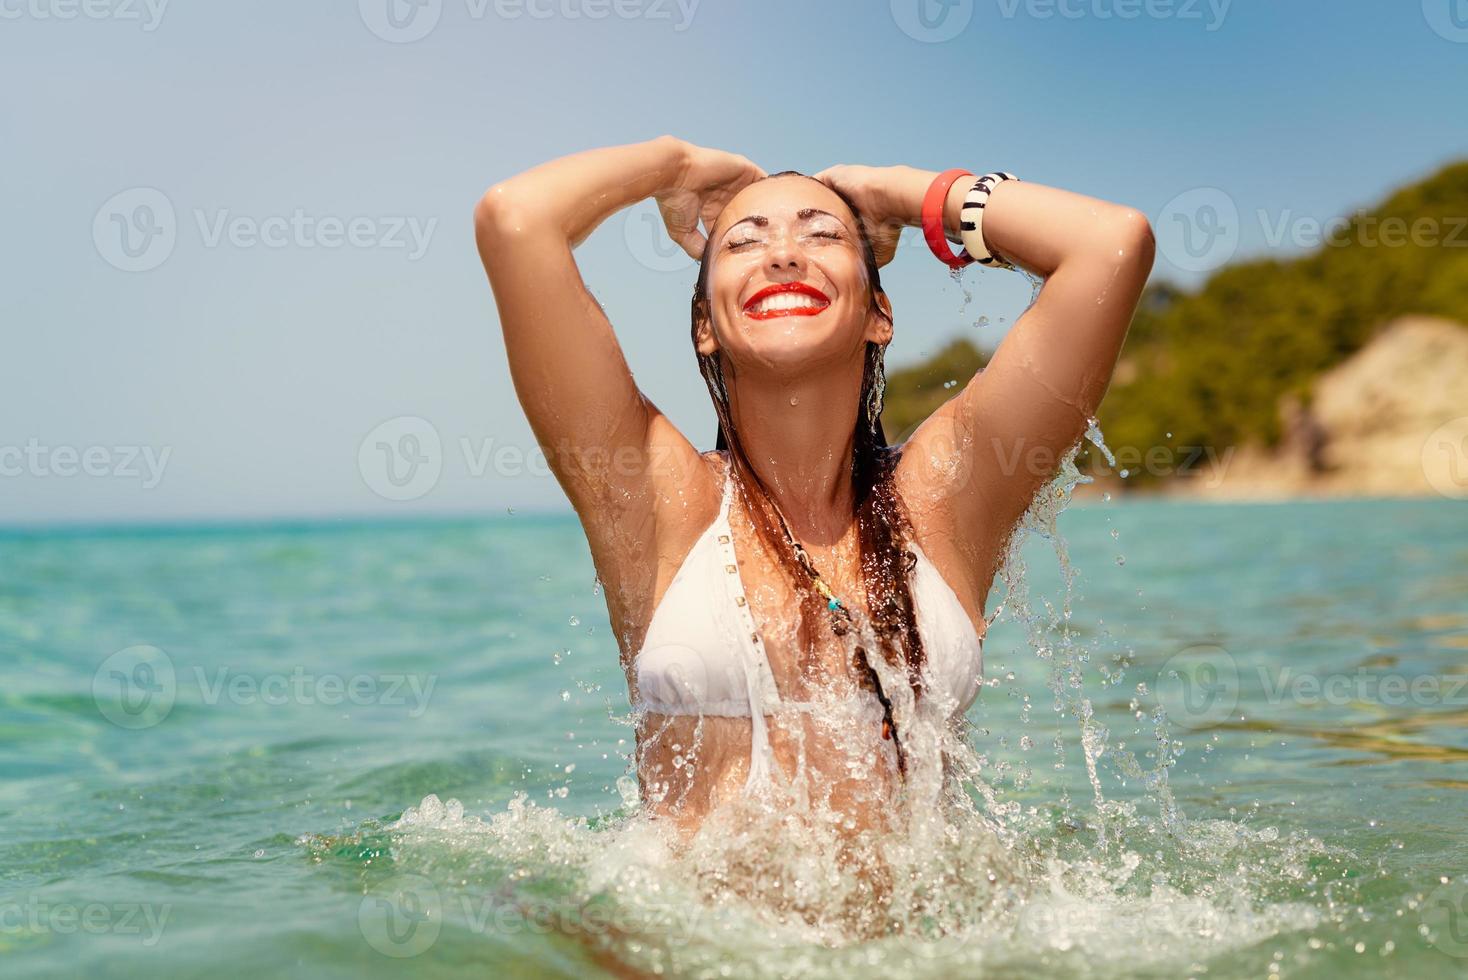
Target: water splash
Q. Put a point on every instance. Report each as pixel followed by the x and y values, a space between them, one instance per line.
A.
pixel 1053 639
pixel 965 874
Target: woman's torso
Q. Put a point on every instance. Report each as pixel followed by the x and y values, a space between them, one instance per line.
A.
pixel 725 707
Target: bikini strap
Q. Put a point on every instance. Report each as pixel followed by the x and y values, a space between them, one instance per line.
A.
pixel 759 681
pixel 728 498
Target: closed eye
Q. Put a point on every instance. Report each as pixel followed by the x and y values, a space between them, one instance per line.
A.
pixel 734 246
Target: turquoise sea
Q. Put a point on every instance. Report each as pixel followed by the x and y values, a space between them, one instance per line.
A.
pixel 210 738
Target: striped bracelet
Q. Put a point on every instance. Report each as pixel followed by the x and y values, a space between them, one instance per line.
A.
pixel 971 220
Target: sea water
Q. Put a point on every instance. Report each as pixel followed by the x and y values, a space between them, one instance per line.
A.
pixel 392 749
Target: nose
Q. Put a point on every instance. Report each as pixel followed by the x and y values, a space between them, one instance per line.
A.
pixel 786 256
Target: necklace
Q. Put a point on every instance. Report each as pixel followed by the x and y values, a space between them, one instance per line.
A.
pixel 841 618
pixel 841 622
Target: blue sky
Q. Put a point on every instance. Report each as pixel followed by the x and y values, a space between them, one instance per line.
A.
pixel 295 184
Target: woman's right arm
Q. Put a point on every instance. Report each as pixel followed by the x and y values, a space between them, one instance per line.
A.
pixel 588 415
pixel 614 454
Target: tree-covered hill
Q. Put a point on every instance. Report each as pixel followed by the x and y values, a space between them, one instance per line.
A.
pixel 1211 366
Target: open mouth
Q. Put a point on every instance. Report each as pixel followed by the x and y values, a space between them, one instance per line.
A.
pixel 786 299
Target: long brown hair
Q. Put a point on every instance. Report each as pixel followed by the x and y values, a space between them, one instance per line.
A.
pixel 882 523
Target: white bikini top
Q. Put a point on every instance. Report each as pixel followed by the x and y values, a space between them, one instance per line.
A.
pixel 703 655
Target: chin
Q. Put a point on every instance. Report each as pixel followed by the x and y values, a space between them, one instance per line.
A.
pixel 792 347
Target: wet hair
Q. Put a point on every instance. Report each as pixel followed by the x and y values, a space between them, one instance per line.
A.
pixel 882 522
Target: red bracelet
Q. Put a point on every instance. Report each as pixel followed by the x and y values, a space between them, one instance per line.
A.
pixel 933 202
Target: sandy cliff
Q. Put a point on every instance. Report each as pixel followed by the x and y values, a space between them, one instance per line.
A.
pixel 1392 420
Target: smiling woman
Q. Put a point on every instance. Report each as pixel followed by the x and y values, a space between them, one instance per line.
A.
pixel 800 613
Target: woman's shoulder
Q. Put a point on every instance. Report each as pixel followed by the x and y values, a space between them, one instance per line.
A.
pixel 691 492
pixel 720 465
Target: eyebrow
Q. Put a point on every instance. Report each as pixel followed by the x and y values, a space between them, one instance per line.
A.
pixel 804 214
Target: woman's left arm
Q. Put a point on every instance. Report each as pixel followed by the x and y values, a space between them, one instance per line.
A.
pixel 988 450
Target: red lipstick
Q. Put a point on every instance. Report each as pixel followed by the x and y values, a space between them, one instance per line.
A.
pixel 820 301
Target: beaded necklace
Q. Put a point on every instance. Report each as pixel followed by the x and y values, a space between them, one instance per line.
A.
pixel 841 622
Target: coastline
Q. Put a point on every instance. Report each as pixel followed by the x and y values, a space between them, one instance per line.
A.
pixel 1389 422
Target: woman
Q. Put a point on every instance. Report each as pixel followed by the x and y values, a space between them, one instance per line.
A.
pixel 801 611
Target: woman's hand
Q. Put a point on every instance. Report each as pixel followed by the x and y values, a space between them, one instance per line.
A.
pixel 878 193
pixel 703 185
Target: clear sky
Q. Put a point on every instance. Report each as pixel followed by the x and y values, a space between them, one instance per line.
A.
pixel 238 236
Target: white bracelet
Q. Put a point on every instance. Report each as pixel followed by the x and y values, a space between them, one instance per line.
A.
pixel 971 220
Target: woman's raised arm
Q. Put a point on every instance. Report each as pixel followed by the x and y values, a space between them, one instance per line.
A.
pixel 600 434
pixel 565 362
pixel 982 455
pixel 614 454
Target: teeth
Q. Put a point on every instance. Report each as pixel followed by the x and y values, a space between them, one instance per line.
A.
pixel 786 301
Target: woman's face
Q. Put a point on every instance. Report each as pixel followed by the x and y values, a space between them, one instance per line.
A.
pixel 787 285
